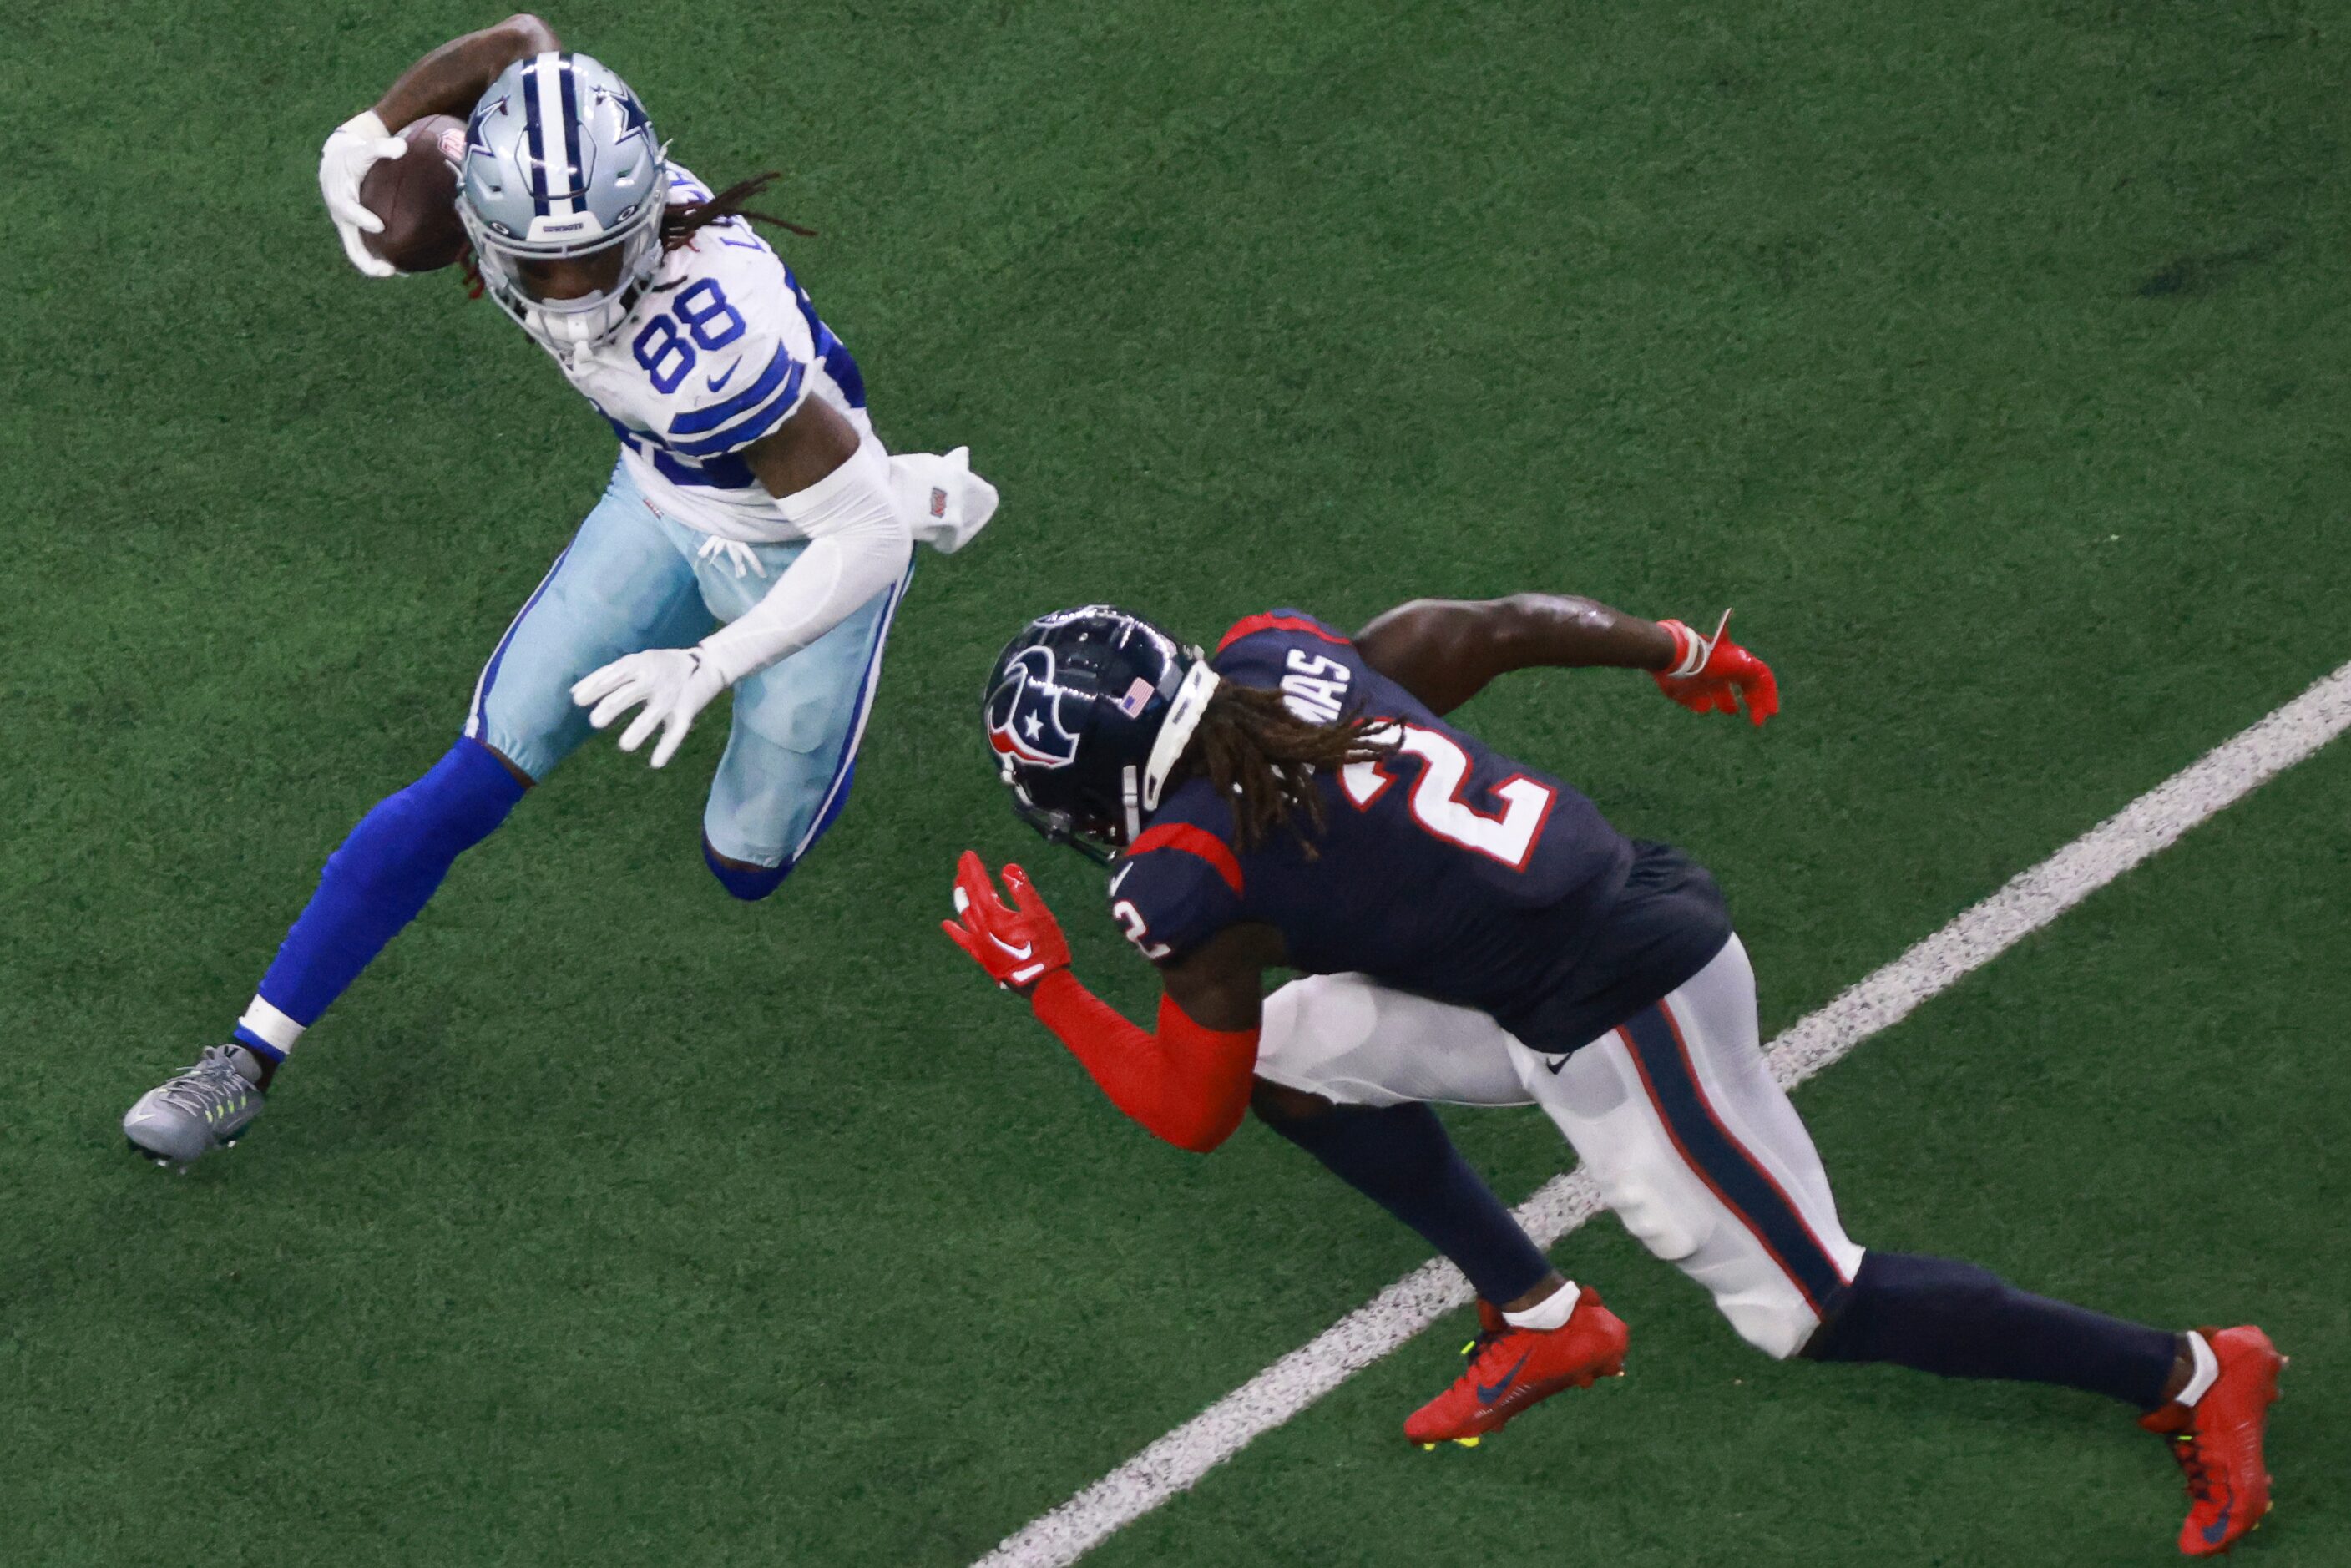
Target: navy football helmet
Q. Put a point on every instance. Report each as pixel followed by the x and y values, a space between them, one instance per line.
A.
pixel 1087 713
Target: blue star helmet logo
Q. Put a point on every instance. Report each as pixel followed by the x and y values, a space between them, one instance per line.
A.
pixel 633 119
pixel 476 137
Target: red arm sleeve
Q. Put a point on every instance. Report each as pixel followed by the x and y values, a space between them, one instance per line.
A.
pixel 1187 1084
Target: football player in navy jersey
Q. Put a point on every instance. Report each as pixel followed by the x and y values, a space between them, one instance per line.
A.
pixel 1471 930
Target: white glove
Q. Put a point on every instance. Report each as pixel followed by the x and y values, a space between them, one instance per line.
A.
pixel 944 502
pixel 356 143
pixel 674 685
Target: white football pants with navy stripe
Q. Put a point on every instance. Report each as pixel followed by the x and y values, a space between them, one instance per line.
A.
pixel 632 579
pixel 1675 1115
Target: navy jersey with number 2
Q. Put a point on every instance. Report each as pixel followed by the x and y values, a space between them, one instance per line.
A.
pixel 1444 868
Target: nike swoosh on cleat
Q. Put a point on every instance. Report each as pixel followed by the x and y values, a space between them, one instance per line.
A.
pixel 2218 1529
pixel 1489 1392
pixel 722 379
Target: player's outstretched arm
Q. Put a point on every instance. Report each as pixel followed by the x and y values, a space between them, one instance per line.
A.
pixel 835 486
pixel 832 484
pixel 447 82
pixel 1445 650
pixel 452 77
pixel 1188 1081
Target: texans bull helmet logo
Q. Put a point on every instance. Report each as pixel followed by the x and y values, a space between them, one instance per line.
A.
pixel 1024 715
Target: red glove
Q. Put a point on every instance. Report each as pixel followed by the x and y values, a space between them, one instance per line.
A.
pixel 1187 1084
pixel 1018 945
pixel 1709 674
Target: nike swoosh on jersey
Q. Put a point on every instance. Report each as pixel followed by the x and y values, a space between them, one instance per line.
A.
pixel 717 381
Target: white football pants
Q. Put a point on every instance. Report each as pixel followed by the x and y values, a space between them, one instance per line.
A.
pixel 1693 1146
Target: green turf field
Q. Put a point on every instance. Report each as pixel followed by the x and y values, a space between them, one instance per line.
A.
pixel 1989 357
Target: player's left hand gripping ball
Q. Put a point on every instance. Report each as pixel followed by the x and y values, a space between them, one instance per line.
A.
pixel 674 685
pixel 1709 674
pixel 1018 944
pixel 356 143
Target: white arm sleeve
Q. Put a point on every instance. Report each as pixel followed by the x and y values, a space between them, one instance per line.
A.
pixel 859 544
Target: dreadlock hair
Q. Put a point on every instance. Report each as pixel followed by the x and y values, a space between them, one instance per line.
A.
pixel 682 220
pixel 1262 760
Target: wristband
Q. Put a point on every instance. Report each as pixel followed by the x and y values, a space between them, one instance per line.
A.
pixel 1690 651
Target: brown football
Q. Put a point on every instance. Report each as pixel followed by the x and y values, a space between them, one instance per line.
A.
pixel 415 194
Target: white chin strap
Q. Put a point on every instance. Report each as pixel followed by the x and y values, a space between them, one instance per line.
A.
pixel 1191 700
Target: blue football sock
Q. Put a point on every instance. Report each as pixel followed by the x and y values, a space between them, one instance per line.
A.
pixel 749 883
pixel 379 878
pixel 753 883
pixel 1956 1320
pixel 1399 1158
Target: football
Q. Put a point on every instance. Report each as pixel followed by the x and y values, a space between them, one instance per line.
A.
pixel 415 194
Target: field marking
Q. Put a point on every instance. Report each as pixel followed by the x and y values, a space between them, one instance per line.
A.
pixel 2028 902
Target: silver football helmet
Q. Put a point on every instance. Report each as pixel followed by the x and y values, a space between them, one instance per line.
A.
pixel 560 163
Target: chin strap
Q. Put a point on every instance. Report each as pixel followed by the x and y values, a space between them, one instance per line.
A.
pixel 1183 711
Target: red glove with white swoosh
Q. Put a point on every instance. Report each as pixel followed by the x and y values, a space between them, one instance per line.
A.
pixel 1709 674
pixel 1018 944
pixel 1186 1083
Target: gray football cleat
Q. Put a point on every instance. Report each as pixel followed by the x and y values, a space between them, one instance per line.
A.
pixel 207 1107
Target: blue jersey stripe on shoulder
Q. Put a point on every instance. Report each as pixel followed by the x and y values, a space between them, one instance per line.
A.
pixel 742 403
pixel 746 431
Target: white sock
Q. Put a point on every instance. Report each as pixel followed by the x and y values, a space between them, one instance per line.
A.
pixel 2207 1373
pixel 271 1026
pixel 1549 1313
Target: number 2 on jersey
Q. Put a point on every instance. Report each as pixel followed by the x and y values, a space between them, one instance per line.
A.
pixel 1437 803
pixel 1131 919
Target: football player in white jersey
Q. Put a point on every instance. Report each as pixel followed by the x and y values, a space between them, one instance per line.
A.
pixel 755 535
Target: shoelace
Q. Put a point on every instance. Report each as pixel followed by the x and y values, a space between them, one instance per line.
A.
pixel 2188 1454
pixel 738 555
pixel 204 1086
pixel 1475 1351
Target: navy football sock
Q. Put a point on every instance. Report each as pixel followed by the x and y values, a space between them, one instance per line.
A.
pixel 379 878
pixel 1954 1318
pixel 1399 1158
pixel 749 883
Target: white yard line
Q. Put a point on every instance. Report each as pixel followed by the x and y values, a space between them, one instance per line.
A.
pixel 2152 822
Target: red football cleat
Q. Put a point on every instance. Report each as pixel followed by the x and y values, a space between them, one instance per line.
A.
pixel 2218 1442
pixel 1510 1369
